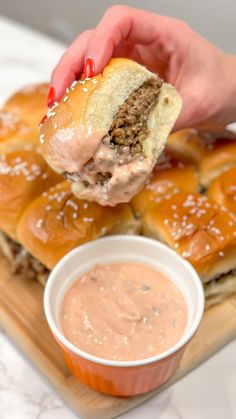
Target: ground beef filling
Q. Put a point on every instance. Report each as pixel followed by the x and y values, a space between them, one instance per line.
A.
pixel 129 127
pixel 24 263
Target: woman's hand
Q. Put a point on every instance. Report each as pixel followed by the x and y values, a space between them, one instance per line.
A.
pixel 203 74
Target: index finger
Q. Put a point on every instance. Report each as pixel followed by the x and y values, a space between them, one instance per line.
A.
pixel 70 65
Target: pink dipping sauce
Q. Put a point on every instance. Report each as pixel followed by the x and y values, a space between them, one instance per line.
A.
pixel 123 312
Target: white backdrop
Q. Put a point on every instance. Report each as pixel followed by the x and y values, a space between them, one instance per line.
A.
pixel 64 19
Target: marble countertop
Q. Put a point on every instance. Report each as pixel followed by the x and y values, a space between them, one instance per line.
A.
pixel 208 392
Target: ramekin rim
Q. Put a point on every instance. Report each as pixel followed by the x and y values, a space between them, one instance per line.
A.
pixel 134 363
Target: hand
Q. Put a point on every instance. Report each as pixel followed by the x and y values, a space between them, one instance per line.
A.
pixel 203 74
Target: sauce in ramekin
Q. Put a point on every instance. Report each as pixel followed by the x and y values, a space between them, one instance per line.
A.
pixel 123 312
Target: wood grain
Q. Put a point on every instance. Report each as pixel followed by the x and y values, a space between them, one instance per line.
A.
pixel 21 315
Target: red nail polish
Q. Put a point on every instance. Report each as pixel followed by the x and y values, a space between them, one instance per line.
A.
pixel 88 68
pixel 42 120
pixel 51 96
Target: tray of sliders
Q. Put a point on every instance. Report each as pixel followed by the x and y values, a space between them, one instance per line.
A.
pixel 189 204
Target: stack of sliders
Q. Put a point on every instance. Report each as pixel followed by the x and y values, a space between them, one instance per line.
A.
pixel 180 204
pixel 40 219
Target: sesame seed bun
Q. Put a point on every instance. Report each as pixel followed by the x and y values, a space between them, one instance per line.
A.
pixel 75 129
pixel 57 221
pixel 29 103
pixel 24 175
pixel 198 229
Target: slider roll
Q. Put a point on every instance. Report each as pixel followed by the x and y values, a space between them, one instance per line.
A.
pixel 107 132
pixel 57 221
pixel 24 175
pixel 29 103
pixel 198 229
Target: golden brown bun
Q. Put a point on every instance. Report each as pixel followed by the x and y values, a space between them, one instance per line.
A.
pixel 188 144
pixel 29 103
pixel 73 132
pixel 12 125
pixel 26 142
pixel 199 230
pixel 170 175
pixel 212 153
pixel 24 175
pixel 223 189
pixel 57 222
pixel 219 158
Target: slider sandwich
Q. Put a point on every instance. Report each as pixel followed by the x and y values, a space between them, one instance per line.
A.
pixel 202 232
pixel 106 133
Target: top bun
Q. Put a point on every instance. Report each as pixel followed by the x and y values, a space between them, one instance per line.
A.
pixel 29 103
pixel 107 131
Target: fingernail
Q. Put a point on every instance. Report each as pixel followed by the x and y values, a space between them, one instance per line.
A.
pixel 42 120
pixel 88 68
pixel 51 96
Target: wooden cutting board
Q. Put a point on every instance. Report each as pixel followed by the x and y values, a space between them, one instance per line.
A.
pixel 21 315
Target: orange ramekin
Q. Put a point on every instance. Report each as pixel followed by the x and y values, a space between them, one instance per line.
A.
pixel 123 378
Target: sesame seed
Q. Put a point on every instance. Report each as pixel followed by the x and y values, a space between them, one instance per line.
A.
pixel 50 114
pixel 221 254
pixel 88 219
pixel 55 126
pixel 207 247
pixel 73 84
pixel 42 138
pixel 39 223
pixel 85 89
pixel 72 204
pixel 186 254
